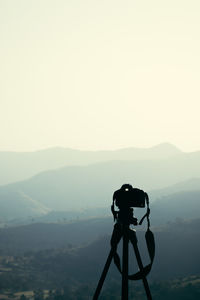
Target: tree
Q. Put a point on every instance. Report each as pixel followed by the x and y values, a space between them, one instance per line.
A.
pixel 38 295
pixel 23 297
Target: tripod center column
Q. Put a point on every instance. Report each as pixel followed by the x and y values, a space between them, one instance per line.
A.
pixel 125 262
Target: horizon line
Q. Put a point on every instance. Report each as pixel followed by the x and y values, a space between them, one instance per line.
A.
pixel 100 150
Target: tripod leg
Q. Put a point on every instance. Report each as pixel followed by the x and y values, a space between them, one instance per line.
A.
pixel 140 265
pixel 125 264
pixel 116 236
pixel 103 275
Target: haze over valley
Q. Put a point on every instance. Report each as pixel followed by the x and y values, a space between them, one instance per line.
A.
pixel 87 180
pixel 81 184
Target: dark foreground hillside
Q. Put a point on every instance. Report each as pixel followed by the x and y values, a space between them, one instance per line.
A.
pixel 41 236
pixel 180 289
pixel 72 272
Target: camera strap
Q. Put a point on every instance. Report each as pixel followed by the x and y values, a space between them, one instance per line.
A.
pixel 147 213
pixel 150 242
pixel 114 212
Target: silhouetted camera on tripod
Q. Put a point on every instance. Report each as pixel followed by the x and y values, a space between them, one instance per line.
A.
pixel 125 199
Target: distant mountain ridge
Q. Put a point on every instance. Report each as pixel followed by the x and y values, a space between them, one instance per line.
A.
pixel 17 166
pixel 89 186
pixel 183 205
pixel 192 184
pixel 17 205
pixel 180 205
pixel 92 186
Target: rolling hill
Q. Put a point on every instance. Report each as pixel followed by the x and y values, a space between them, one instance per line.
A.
pixel 177 248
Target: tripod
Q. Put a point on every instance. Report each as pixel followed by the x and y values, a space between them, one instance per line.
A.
pixel 123 231
pixel 125 198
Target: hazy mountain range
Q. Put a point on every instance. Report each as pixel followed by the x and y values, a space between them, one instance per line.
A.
pixel 88 185
pixel 16 166
pixel 192 184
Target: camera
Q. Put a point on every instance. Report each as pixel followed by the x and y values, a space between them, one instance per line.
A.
pixel 127 197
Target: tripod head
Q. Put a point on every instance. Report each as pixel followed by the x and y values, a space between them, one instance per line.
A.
pixel 125 199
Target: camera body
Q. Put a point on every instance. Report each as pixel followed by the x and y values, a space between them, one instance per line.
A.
pixel 128 197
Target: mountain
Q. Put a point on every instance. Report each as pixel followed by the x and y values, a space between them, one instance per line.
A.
pixel 65 271
pixel 81 187
pixel 181 205
pixel 40 236
pixel 192 184
pixel 177 252
pixel 17 166
pixel 161 201
pixel 174 207
pixel 177 249
pixel 174 210
pixel 18 205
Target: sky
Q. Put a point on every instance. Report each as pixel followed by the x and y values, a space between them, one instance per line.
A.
pixel 99 74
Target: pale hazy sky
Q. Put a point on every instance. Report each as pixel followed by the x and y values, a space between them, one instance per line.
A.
pixel 99 74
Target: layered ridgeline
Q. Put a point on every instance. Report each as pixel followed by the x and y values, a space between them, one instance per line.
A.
pixel 90 186
pixel 17 166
